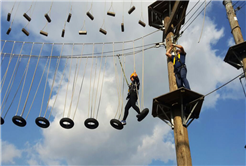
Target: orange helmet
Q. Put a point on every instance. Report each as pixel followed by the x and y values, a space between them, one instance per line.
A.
pixel 134 74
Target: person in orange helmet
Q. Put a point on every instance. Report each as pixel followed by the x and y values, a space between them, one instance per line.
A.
pixel 132 96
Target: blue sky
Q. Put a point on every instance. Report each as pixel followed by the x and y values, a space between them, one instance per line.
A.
pixel 216 138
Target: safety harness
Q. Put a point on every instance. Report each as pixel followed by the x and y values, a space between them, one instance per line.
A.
pixel 176 70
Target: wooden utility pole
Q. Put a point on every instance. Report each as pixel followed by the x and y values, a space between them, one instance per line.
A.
pixel 235 28
pixel 182 146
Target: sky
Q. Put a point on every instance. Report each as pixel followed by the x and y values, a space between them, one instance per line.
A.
pixel 216 138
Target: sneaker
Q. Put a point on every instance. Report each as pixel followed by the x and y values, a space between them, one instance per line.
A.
pixel 123 122
pixel 137 115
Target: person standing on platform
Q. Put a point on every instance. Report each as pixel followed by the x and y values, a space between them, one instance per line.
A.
pixel 180 69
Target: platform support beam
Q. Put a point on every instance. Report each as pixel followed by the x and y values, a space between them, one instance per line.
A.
pixel 235 28
pixel 180 132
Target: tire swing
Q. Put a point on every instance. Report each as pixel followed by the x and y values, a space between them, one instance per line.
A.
pixel 144 111
pixel 115 123
pixel 66 122
pixel 10 85
pixel 42 121
pixel 92 123
pixel 19 120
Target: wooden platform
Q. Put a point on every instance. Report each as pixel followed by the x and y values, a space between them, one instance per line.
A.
pixel 189 102
pixel 158 10
pixel 234 55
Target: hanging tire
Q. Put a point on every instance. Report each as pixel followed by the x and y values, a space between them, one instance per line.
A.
pixel 91 123
pixel 66 123
pixel 42 122
pixel 2 121
pixel 143 114
pixel 19 121
pixel 116 124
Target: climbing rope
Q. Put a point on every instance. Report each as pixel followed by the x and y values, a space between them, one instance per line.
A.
pixel 59 87
pixel 142 97
pixel 90 82
pixel 46 80
pixel 37 88
pixel 27 66
pixel 68 82
pixel 98 81
pixel 11 82
pixel 4 77
pixel 34 74
pixel 15 14
pixel 51 90
pixel 93 87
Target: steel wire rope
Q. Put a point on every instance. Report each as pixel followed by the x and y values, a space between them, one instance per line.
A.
pixel 90 83
pixel 223 85
pixel 141 11
pixel 68 82
pixel 31 13
pixel 30 7
pixel 27 66
pixel 123 12
pixel 34 74
pixel 37 87
pixel 98 82
pixel 92 98
pixel 58 87
pixel 111 7
pixel 11 82
pixel 46 80
pixel 81 85
pixel 75 56
pixel 196 17
pixel 51 90
pixel 203 22
pixel 120 95
pixel 134 62
pixel 99 102
pixel 235 3
pixel 126 54
pixel 12 8
pixel 5 74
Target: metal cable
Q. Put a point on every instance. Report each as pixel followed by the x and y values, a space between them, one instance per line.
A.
pixel 92 98
pixel 203 22
pixel 90 85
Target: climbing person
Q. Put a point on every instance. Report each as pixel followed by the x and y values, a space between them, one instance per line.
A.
pixel 132 96
pixel 180 69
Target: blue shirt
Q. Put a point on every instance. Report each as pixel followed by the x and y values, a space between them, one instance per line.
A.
pixel 177 63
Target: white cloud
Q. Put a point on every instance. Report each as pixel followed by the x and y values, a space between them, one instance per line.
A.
pixel 9 153
pixel 230 42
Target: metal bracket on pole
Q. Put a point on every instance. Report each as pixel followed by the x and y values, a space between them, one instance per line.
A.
pixel 171 124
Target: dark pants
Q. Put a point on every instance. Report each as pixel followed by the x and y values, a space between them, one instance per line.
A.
pixel 181 79
pixel 131 103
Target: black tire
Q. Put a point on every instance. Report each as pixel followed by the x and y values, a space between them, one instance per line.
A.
pixel 67 120
pixel 116 124
pixel 143 114
pixel 91 123
pixel 2 121
pixel 19 121
pixel 42 122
